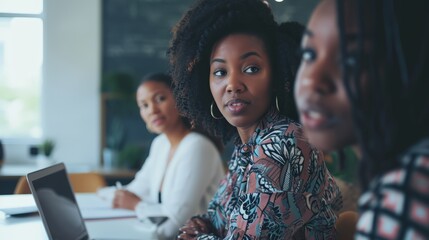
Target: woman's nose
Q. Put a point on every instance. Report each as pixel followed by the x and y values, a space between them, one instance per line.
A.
pixel 153 108
pixel 314 78
pixel 235 85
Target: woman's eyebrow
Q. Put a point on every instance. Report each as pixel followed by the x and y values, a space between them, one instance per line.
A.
pixel 248 54
pixel 244 56
pixel 217 60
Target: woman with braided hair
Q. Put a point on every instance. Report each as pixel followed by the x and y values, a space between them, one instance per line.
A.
pixel 233 68
pixel 363 82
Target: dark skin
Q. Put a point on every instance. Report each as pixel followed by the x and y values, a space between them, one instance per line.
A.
pixel 193 228
pixel 240 82
pixel 321 97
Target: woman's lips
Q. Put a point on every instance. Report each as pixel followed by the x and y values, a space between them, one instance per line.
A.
pixel 157 121
pixel 316 120
pixel 236 106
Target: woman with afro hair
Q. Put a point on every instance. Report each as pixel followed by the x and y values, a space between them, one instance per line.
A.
pixel 233 66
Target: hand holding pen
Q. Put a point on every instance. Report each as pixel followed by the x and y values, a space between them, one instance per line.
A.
pixel 124 198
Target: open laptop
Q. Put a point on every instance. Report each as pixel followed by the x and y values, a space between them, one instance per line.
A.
pixel 59 210
pixel 56 203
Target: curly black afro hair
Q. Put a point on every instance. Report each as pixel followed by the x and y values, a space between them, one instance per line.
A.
pixel 201 27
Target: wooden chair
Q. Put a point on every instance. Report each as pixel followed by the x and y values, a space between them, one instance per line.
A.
pixel 346 225
pixel 81 183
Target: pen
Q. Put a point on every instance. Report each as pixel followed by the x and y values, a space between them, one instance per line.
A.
pixel 118 185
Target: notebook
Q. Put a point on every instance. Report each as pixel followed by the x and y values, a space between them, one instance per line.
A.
pixel 57 204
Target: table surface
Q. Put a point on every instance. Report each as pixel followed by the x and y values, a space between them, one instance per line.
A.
pixel 21 169
pixel 31 226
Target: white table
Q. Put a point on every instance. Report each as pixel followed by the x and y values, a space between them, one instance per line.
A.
pixel 31 226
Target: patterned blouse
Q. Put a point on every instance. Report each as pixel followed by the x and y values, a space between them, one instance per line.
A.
pixel 396 206
pixel 277 187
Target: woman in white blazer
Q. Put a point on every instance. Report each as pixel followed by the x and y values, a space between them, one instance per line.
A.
pixel 182 171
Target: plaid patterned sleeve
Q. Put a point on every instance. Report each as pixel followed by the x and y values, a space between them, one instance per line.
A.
pixel 396 206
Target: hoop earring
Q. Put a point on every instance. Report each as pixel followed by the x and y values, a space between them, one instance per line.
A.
pixel 211 112
pixel 277 104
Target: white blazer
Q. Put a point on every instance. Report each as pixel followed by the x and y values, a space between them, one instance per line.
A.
pixel 190 181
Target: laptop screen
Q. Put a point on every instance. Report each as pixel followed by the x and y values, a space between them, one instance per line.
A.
pixel 57 205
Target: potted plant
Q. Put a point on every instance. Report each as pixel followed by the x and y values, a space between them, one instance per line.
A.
pixel 44 152
pixel 47 147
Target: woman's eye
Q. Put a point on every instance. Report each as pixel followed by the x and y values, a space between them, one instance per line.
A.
pixel 160 99
pixel 251 69
pixel 219 73
pixel 144 105
pixel 308 54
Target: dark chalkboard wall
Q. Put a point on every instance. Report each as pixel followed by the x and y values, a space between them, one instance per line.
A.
pixel 136 34
pixel 135 37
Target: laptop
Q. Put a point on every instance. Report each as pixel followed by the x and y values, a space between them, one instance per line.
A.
pixel 60 212
pixel 56 203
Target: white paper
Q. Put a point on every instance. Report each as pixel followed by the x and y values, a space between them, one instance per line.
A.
pixel 18 204
pixel 107 193
pixel 93 207
pixel 99 213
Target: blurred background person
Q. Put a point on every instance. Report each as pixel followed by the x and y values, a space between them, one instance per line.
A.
pixel 183 168
pixel 363 82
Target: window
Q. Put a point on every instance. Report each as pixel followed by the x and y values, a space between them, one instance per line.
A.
pixel 21 59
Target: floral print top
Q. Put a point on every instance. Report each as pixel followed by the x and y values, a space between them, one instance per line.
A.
pixel 396 205
pixel 277 187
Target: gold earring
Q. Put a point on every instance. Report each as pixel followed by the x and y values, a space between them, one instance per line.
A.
pixel 277 104
pixel 211 112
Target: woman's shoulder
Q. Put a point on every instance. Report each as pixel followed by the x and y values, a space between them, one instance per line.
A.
pixel 412 177
pixel 196 136
pixel 161 139
pixel 414 168
pixel 197 147
pixel 286 141
pixel 417 156
pixel 417 162
pixel 197 140
pixel 415 172
pixel 399 192
pixel 282 128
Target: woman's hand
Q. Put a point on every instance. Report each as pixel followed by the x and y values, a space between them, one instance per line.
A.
pixel 194 227
pixel 125 199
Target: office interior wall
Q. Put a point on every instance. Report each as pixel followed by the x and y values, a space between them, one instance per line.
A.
pixel 70 91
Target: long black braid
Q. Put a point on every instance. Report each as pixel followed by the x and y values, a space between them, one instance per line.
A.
pixel 391 111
